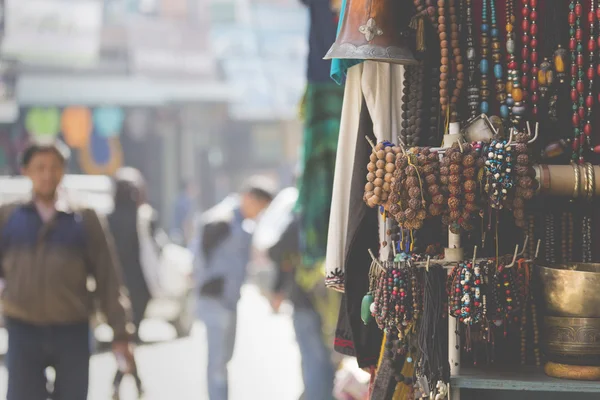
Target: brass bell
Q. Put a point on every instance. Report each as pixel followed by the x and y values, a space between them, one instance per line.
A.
pixel 372 30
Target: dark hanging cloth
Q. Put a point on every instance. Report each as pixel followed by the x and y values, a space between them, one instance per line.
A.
pixel 123 226
pixel 362 234
pixel 323 22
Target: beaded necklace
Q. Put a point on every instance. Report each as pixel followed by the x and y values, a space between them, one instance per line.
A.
pixel 531 24
pixel 549 238
pixel 591 74
pixel 484 91
pixel 497 58
pixel 416 110
pixel 473 91
pixel 449 104
pixel 514 99
pixel 434 105
pixel 498 168
pixel 406 86
pixel 577 75
pixel 524 179
pixel 525 41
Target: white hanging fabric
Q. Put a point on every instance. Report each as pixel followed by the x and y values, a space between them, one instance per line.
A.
pixel 380 84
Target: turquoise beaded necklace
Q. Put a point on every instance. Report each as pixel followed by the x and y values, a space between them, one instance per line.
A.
pixel 484 91
pixel 497 58
pixel 491 32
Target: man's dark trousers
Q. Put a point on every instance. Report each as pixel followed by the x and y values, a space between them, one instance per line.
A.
pixel 31 349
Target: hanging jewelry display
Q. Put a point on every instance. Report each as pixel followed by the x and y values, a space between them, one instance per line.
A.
pixel 394 308
pixel 557 37
pixel 406 92
pixel 514 99
pixel 530 23
pixel 433 333
pixel 498 170
pixel 498 60
pixel 473 90
pixel 451 73
pixel 587 219
pixel 458 174
pixel 484 91
pixel 577 76
pixel 591 74
pixel 549 238
pixel 525 178
pixel 379 177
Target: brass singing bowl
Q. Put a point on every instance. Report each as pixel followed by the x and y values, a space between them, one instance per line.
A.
pixel 571 290
pixel 573 341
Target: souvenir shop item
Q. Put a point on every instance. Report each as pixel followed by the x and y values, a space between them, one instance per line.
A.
pixel 452 75
pixel 499 172
pixel 433 369
pixel 577 78
pixel 571 293
pixel 472 90
pixel 524 180
pixel 396 298
pixel 374 30
pixel 458 174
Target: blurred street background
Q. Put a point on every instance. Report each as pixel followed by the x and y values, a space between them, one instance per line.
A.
pixel 198 95
pixel 183 90
pixel 266 362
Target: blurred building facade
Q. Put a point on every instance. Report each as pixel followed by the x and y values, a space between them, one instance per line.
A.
pixel 203 90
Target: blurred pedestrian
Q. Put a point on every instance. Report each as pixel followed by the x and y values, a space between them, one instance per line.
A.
pixel 183 213
pixel 48 249
pixel 125 224
pixel 318 370
pixel 222 253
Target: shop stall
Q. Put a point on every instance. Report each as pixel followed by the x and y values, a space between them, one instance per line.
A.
pixel 464 209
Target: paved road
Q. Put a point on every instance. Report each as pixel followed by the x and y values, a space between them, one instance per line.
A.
pixel 265 366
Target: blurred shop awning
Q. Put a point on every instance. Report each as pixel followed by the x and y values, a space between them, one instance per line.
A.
pixel 61 90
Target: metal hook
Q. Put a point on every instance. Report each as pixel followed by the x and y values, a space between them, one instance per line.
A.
pixel 537 126
pixel 512 264
pixel 370 142
pixel 510 138
pixel 537 251
pixel 402 145
pixel 474 255
pixel 427 264
pixel 524 246
pixel 376 261
pixel 460 144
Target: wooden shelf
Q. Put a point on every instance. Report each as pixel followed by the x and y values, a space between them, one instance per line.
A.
pixel 522 379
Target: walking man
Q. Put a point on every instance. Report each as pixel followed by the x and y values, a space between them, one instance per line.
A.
pixel 222 253
pixel 48 249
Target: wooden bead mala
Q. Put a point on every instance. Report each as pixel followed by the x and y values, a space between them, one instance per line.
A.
pixel 525 179
pixel 450 89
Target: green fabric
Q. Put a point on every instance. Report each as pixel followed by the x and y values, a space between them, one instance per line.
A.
pixel 340 66
pixel 322 109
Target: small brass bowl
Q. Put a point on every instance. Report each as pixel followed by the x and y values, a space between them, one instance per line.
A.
pixel 571 290
pixel 573 341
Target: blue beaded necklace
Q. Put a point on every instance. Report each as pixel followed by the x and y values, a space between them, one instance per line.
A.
pixel 491 32
pixel 497 57
pixel 484 91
